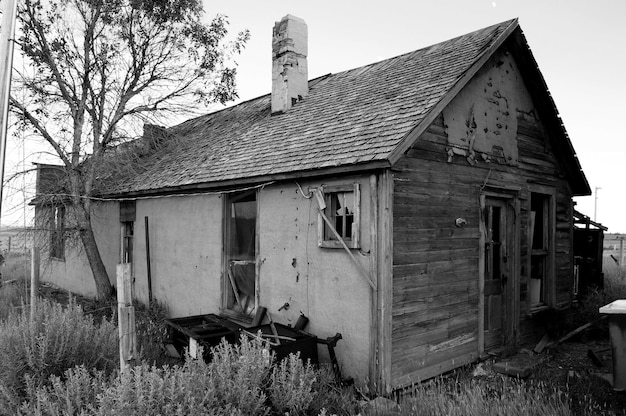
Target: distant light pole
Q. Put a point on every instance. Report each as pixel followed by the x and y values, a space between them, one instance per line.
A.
pixel 595 204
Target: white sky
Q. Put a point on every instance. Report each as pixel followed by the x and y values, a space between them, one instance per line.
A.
pixel 579 46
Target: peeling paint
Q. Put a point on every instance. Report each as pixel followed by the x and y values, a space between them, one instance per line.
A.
pixel 481 122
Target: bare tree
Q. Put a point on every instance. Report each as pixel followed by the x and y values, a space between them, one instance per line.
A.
pixel 96 69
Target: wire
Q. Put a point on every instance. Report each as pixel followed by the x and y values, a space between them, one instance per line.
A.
pixel 137 198
pixel 486 180
pixel 309 196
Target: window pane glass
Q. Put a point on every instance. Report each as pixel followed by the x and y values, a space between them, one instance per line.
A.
pixel 243 230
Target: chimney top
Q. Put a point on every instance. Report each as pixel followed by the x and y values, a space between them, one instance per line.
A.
pixel 289 63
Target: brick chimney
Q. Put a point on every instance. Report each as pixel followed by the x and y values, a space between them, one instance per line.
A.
pixel 289 65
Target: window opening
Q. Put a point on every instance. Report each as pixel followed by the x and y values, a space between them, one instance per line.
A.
pixel 128 233
pixel 342 209
pixel 539 227
pixel 57 232
pixel 241 282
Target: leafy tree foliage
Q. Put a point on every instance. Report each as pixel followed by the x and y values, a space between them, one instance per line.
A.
pixel 96 70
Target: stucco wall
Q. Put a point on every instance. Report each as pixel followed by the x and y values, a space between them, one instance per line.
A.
pixel 185 252
pixel 322 283
pixel 73 273
pixel 186 237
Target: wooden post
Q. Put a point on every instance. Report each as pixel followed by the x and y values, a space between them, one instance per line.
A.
pixel 126 317
pixel 34 279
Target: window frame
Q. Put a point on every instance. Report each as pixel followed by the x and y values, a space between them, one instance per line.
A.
pixel 226 309
pixel 57 232
pixel 322 231
pixel 547 252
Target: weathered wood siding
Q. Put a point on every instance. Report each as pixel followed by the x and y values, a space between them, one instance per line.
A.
pixel 436 264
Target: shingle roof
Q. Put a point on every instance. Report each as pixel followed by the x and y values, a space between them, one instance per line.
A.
pixel 351 118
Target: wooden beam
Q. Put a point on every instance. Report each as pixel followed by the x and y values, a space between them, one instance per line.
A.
pixel 385 273
pixel 481 276
pixel 374 370
pixel 126 317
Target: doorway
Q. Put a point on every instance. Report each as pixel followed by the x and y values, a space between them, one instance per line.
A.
pixel 498 277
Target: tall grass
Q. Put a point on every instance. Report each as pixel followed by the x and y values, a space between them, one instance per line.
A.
pixel 484 398
pixel 614 288
pixel 15 270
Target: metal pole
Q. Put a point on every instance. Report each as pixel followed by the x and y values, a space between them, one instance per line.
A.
pixel 7 32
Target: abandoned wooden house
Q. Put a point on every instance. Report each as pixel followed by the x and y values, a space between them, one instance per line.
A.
pixel 421 206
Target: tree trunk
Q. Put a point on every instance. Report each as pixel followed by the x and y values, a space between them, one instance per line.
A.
pixel 100 275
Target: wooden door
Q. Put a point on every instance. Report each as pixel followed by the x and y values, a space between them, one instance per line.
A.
pixel 497 221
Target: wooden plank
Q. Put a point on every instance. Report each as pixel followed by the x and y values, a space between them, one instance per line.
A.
pixel 411 325
pixel 434 211
pixel 464 345
pixel 431 291
pixel 375 319
pixel 425 279
pixel 126 317
pixel 434 244
pixel 422 303
pixel 433 267
pixel 435 256
pixel 481 278
pixel 427 234
pixel 409 378
pixel 385 263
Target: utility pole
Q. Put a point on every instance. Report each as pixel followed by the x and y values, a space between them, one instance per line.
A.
pixel 7 41
pixel 595 205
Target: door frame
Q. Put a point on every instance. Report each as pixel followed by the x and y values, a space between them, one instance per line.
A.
pixel 510 197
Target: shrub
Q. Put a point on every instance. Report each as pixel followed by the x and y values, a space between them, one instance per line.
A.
pixel 231 385
pixel 55 339
pixel 152 332
pixel 240 373
pixel 76 393
pixel 331 397
pixel 149 390
pixel 291 385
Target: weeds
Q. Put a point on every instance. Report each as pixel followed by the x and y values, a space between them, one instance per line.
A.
pixel 291 385
pixel 152 332
pixel 478 397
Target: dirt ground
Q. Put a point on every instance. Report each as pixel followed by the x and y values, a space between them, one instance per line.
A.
pixel 568 367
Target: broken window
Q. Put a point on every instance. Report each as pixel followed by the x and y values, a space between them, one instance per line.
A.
pixel 539 238
pixel 241 284
pixel 57 232
pixel 342 211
